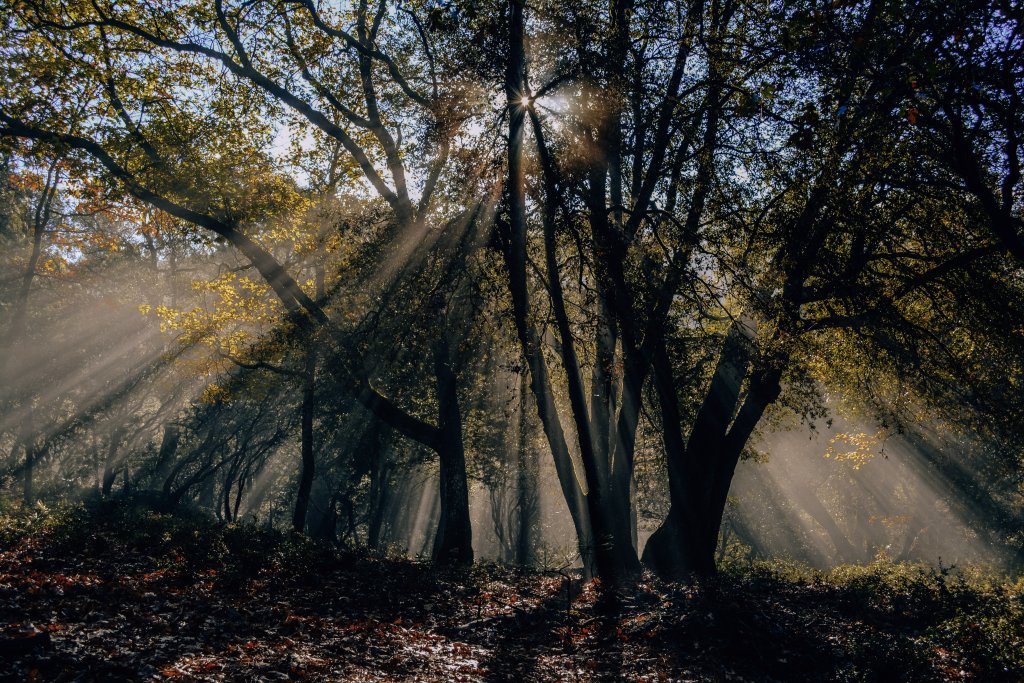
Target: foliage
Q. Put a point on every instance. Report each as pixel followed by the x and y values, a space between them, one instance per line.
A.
pixel 189 544
pixel 364 618
pixel 936 612
pixel 262 256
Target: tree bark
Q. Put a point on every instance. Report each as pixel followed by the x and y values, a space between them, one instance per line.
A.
pixel 307 469
pixel 110 463
pixel 29 447
pixel 165 456
pixel 526 486
pixel 701 473
pixel 515 260
pixel 454 540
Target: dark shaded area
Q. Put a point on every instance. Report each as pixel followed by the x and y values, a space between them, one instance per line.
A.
pixel 122 594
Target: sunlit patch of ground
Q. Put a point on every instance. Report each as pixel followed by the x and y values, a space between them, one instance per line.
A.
pixel 114 613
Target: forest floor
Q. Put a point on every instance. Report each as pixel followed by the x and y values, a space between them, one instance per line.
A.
pixel 123 595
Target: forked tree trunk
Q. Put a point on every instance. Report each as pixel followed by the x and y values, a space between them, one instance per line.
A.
pixel 701 472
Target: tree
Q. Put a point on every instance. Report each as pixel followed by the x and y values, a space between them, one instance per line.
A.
pixel 715 210
pixel 41 206
pixel 142 149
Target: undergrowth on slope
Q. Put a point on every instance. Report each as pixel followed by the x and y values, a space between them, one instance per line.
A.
pixel 125 593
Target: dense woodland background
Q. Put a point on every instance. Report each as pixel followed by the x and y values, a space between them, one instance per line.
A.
pixel 609 285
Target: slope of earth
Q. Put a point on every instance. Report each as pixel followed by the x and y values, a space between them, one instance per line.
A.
pixel 115 594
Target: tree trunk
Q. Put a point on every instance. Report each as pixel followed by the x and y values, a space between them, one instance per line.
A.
pixel 324 523
pixel 379 474
pixel 226 496
pixel 515 259
pixel 614 556
pixel 453 542
pixel 613 553
pixel 243 481
pixel 616 509
pixel 27 439
pixel 205 497
pixel 308 465
pixel 307 469
pixel 168 449
pixel 701 473
pixel 526 486
pixel 110 463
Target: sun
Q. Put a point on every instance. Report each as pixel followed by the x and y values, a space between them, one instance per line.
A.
pixel 524 102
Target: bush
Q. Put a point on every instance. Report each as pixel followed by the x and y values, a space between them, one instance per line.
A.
pixel 988 621
pixel 66 525
pixel 249 549
pixel 973 616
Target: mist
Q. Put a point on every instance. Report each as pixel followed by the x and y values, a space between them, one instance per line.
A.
pixel 852 492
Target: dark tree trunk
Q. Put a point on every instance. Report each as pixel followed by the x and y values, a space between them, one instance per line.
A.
pixel 206 492
pixel 515 258
pixel 454 540
pixel 30 462
pixel 613 553
pixel 325 498
pixel 27 439
pixel 308 466
pixel 168 450
pixel 127 485
pixel 615 538
pixel 614 448
pixel 607 499
pixel 765 385
pixel 324 524
pixel 526 486
pixel 110 463
pixel 226 496
pixel 379 475
pixel 701 473
pixel 109 475
pixel 240 491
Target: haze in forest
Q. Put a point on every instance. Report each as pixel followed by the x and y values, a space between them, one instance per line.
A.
pixel 621 287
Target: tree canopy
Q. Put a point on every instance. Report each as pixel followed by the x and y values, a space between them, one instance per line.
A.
pixel 364 261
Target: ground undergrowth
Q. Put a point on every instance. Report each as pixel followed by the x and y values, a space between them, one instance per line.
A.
pixel 113 592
